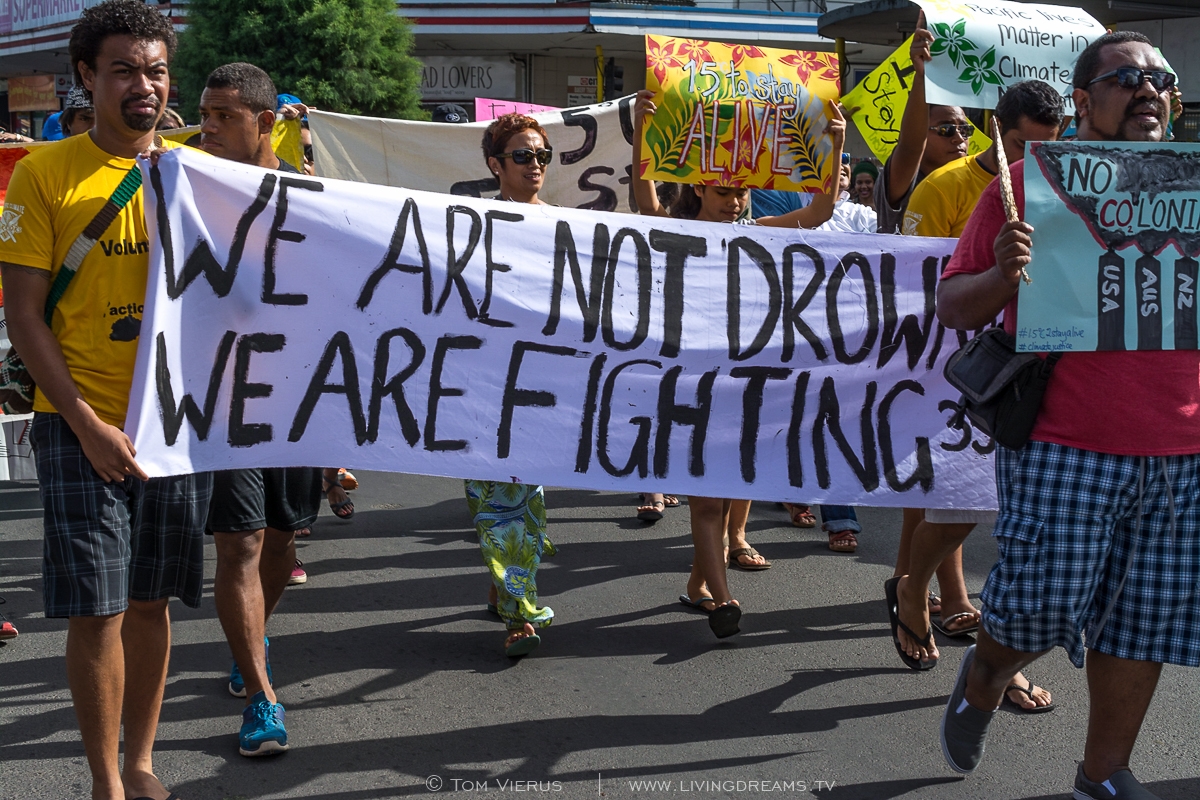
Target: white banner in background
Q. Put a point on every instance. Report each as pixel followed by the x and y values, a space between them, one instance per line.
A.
pixel 593 155
pixel 980 49
pixel 297 321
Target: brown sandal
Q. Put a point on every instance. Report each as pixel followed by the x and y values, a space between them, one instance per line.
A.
pixel 751 553
pixel 802 516
pixel 843 542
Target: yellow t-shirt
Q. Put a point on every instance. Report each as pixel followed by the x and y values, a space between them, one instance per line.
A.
pixel 942 203
pixel 54 193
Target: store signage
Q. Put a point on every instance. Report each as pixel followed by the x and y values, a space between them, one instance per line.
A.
pixel 464 78
pixel 32 93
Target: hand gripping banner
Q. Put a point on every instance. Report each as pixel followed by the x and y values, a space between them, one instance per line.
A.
pixel 297 321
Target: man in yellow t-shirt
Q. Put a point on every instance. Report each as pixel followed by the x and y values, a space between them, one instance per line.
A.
pixel 942 203
pixel 118 546
pixel 1030 111
pixel 940 206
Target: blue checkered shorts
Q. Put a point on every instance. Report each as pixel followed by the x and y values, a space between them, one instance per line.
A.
pixel 1072 526
pixel 107 543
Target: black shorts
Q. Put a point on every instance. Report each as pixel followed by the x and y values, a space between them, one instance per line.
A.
pixel 107 543
pixel 283 498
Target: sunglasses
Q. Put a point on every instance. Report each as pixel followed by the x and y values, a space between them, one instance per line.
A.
pixel 525 155
pixel 1132 78
pixel 949 131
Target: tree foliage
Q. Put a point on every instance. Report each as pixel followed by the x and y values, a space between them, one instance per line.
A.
pixel 348 56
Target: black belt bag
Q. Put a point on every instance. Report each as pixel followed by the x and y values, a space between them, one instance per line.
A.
pixel 1001 389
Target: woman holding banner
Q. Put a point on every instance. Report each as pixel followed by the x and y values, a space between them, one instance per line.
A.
pixel 510 518
pixel 708 588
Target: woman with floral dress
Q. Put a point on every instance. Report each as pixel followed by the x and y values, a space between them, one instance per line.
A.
pixel 511 517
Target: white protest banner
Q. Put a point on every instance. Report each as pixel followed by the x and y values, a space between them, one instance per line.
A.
pixel 981 48
pixel 297 321
pixel 593 155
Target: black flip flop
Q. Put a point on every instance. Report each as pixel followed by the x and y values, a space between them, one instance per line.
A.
pixel 943 625
pixel 724 620
pixel 1020 709
pixel 652 513
pixel 893 604
pixel 696 605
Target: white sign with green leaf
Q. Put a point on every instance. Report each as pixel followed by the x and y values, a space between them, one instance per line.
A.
pixel 981 48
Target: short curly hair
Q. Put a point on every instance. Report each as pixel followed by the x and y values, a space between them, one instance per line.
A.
pixel 254 87
pixel 1033 99
pixel 503 128
pixel 116 18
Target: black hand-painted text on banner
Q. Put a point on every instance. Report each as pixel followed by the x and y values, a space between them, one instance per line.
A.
pixel 294 319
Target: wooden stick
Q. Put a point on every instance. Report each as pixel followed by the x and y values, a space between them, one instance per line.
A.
pixel 1006 187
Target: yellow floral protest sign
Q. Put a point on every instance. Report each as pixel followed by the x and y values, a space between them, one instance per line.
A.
pixel 877 103
pixel 738 115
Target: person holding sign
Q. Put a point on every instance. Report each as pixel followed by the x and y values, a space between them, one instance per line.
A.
pixel 941 206
pixel 930 137
pixel 711 517
pixel 255 513
pixel 118 546
pixel 1099 523
pixel 728 203
pixel 510 518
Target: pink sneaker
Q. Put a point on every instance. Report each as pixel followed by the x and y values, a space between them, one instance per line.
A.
pixel 7 631
pixel 298 574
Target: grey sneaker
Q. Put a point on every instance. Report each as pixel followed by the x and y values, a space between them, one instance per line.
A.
pixel 1121 785
pixel 964 727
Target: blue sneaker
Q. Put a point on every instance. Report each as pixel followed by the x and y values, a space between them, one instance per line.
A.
pixel 237 686
pixel 262 728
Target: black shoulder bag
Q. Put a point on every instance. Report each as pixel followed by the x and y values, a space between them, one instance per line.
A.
pixel 1001 389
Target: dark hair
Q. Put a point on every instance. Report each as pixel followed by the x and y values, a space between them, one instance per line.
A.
pixel 170 120
pixel 1088 65
pixel 687 204
pixel 1035 100
pixel 503 128
pixel 117 18
pixel 865 168
pixel 67 117
pixel 254 87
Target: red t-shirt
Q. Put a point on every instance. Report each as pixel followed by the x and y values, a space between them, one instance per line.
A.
pixel 1126 403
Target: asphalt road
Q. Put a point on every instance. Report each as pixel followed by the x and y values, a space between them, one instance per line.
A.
pixel 395 683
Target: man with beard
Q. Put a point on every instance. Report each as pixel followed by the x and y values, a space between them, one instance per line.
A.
pixel 1099 522
pixel 117 546
pixel 255 512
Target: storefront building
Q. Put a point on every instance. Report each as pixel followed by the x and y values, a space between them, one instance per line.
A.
pixel 553 52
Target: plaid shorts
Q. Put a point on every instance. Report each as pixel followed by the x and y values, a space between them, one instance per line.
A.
pixel 107 543
pixel 1074 524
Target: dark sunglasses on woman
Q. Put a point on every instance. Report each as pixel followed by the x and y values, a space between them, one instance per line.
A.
pixel 1132 78
pixel 525 155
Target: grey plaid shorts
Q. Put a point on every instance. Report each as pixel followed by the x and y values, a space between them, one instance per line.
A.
pixel 107 543
pixel 1072 525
